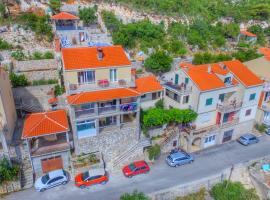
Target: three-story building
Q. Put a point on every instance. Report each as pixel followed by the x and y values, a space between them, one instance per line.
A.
pixel 225 95
pixel 104 100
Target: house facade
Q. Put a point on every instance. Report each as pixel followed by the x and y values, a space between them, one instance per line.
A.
pixel 225 95
pixel 46 135
pixel 104 100
pixel 8 115
pixel 260 67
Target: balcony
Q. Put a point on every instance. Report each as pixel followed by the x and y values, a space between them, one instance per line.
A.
pixel 233 106
pixel 229 123
pixel 196 131
pixel 99 85
pixel 84 112
pixel 179 89
pixel 43 145
pixel 107 109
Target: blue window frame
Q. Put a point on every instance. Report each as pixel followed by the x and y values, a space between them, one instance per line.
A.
pixel 86 128
pixel 252 96
pixel 209 102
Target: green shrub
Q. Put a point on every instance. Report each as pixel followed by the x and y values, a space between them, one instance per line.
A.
pixel 8 172
pixel 88 15
pixel 18 80
pixel 134 196
pixel 48 55
pixel 194 196
pixel 4 45
pixel 154 152
pixel 18 55
pixel 160 104
pixel 233 191
pixel 59 90
pixel 139 71
pixel 260 127
pixel 158 62
pixel 37 55
pixel 45 82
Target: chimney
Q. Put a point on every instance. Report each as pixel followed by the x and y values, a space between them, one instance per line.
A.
pixel 100 53
pixel 209 69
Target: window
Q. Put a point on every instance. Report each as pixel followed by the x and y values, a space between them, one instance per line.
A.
pixel 221 97
pixel 248 112
pixel 252 96
pixel 154 96
pixel 175 97
pixel 209 101
pixel 113 75
pixel 174 143
pixel 186 80
pixel 86 128
pixel 143 96
pixel 86 77
pixel 185 99
pixel 227 80
pixel 266 96
pixel 176 79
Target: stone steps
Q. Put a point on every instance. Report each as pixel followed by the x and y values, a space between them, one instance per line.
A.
pixel 138 146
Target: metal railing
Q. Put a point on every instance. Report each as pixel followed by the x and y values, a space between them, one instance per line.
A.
pixel 177 88
pixel 105 109
pixel 84 112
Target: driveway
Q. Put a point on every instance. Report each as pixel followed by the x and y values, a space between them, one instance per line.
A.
pixel 208 162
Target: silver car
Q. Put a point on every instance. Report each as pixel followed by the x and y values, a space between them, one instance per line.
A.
pixel 248 139
pixel 51 179
pixel 179 157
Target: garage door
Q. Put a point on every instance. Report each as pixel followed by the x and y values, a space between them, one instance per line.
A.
pixel 52 163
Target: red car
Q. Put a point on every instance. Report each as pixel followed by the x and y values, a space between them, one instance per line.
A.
pixel 85 179
pixel 135 168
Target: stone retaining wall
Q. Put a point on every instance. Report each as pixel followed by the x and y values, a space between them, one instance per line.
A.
pixel 12 186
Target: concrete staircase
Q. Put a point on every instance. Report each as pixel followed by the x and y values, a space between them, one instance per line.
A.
pixel 132 151
pixel 169 135
pixel 27 107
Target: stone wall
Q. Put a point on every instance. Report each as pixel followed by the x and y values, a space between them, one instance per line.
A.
pixel 12 186
pixel 110 144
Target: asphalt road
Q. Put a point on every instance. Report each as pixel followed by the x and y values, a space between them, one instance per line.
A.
pixel 208 162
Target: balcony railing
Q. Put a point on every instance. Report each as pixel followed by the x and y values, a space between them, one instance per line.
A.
pixel 197 131
pixel 84 112
pixel 98 85
pixel 182 89
pixel 106 109
pixel 229 123
pixel 229 107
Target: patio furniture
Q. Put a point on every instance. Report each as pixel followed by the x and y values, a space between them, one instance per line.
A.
pixel 103 83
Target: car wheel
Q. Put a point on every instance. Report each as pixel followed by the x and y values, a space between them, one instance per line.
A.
pixel 103 182
pixel 129 176
pixel 42 190
pixel 64 183
pixel 82 186
pixel 191 161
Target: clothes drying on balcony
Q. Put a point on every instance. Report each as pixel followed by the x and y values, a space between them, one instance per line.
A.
pixel 128 107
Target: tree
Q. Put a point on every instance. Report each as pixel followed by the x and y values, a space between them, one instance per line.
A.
pixel 55 5
pixel 158 62
pixel 233 191
pixel 134 196
pixel 231 30
pixel 88 15
pixel 111 21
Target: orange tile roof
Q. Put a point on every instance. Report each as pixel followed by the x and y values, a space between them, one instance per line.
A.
pixel 147 84
pixel 64 16
pixel 266 52
pixel 101 95
pixel 86 57
pixel 45 123
pixel 249 34
pixel 243 74
pixel 209 81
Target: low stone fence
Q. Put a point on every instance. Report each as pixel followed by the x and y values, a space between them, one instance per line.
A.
pixel 12 186
pixel 185 189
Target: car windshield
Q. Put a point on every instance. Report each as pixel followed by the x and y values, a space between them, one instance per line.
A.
pixel 132 167
pixel 170 158
pixel 243 138
pixel 85 175
pixel 45 179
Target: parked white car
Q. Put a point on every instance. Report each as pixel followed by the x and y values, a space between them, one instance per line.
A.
pixel 51 179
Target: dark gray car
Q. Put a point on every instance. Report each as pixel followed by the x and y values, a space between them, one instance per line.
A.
pixel 248 139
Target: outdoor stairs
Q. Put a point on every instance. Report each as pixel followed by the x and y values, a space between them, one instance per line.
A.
pixel 142 143
pixel 31 108
pixel 169 135
pixel 27 178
